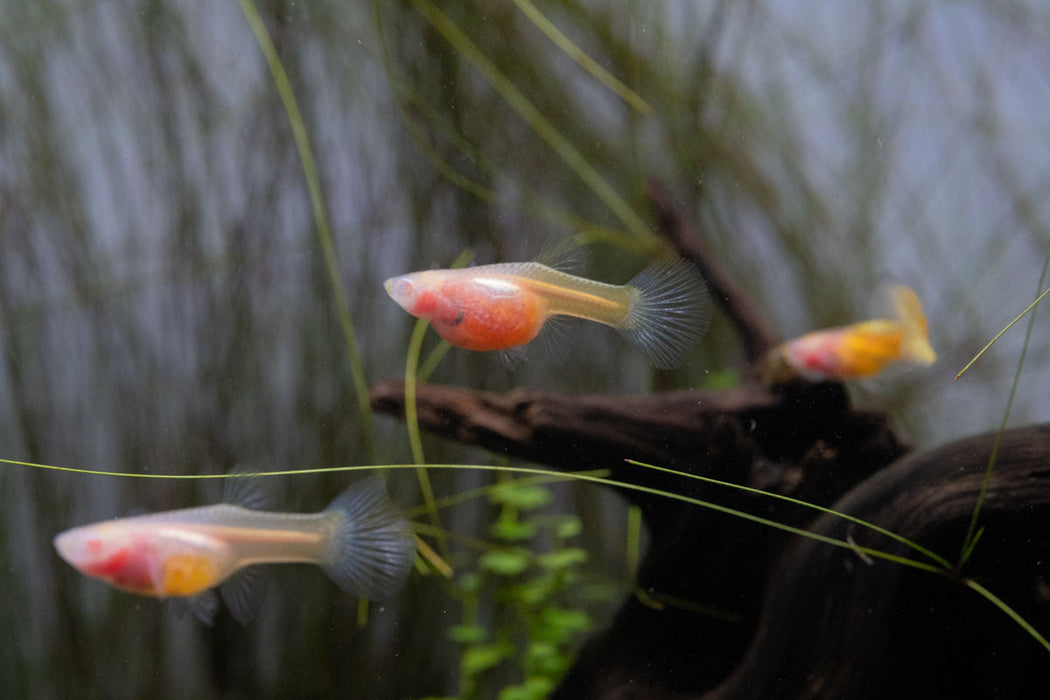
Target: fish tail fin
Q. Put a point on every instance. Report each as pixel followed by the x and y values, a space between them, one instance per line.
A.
pixel 670 313
pixel 915 343
pixel 372 550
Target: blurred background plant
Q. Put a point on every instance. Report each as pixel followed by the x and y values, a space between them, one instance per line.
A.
pixel 535 589
pixel 165 304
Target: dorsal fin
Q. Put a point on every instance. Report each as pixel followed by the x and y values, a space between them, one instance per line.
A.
pixel 563 254
pixel 247 490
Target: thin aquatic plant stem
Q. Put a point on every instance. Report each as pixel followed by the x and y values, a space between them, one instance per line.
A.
pixel 433 360
pixel 544 211
pixel 634 539
pixel 998 335
pixel 471 494
pixel 438 353
pixel 580 56
pixel 324 233
pixel 845 516
pixel 415 441
pixel 1013 614
pixel 972 533
pixel 578 477
pixel 534 118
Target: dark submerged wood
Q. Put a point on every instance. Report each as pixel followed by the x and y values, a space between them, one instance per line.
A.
pixel 834 626
pixel 806 619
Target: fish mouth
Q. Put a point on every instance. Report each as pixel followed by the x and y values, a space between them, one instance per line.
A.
pixel 63 542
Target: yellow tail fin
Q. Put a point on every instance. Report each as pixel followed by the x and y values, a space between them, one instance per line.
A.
pixel 915 344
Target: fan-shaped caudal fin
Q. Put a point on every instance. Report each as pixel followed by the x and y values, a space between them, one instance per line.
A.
pixel 670 312
pixel 372 550
pixel 915 341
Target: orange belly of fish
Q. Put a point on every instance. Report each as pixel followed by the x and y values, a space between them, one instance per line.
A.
pixel 867 354
pixel 485 321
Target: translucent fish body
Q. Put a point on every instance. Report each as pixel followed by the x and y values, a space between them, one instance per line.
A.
pixel 663 311
pixel 360 540
pixel 184 552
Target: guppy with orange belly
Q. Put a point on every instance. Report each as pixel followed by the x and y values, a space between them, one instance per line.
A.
pixel 663 311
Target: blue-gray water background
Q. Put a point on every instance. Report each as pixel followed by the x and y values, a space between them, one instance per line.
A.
pixel 164 304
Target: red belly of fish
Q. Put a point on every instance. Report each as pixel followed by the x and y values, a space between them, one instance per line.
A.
pixel 487 321
pixel 127 568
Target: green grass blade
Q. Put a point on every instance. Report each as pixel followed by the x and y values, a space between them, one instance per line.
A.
pixel 577 54
pixel 324 233
pixel 532 116
pixel 998 335
pixel 577 476
pixel 969 542
pixel 544 210
pixel 434 359
pixel 484 491
pixel 634 539
pixel 845 516
pixel 440 164
pixel 415 345
pixel 1009 611
pixel 585 477
pixel 438 354
pixel 415 441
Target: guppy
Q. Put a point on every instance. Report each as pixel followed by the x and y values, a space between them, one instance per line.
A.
pixel 360 540
pixel 663 311
pixel 864 349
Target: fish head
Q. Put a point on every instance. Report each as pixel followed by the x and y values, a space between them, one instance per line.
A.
pixel 109 552
pixel 418 293
pixel 813 355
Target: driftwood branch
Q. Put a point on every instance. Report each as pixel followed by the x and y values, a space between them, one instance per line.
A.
pixel 752 434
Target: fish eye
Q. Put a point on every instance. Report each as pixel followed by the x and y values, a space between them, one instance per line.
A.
pixel 402 287
pixel 399 288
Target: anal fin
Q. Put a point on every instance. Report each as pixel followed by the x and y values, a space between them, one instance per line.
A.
pixel 243 593
pixel 202 606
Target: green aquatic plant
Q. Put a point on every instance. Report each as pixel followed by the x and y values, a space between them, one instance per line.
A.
pixel 532 585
